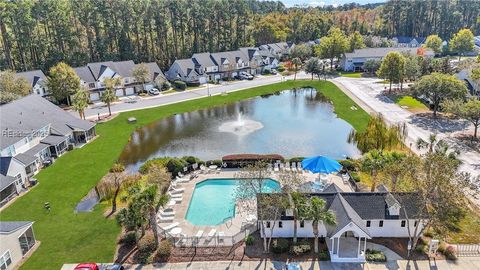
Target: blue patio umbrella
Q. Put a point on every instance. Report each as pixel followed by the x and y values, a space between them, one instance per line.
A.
pixel 321 164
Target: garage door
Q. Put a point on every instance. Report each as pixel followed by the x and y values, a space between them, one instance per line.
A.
pixel 129 91
pixel 94 96
pixel 202 80
pixel 234 74
pixel 119 92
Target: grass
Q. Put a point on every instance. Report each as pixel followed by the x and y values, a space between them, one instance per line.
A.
pixel 410 103
pixel 468 229
pixel 351 74
pixel 67 237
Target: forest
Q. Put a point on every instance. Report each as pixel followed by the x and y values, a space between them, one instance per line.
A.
pixel 36 34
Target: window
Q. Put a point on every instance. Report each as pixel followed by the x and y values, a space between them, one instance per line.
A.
pixel 5 260
pixel 302 224
pixel 280 224
pixel 268 224
pixel 91 85
pixel 403 223
pixel 380 223
pixel 368 223
pixel 415 224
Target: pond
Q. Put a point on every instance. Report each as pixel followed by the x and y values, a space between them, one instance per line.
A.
pixel 290 123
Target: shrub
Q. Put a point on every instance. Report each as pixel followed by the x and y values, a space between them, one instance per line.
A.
pixel 129 239
pixel 420 247
pixel 175 165
pixel 249 240
pixel 191 159
pixel 163 251
pixel 266 71
pixel 240 160
pixel 164 86
pixel 146 246
pixel 324 255
pixel 450 253
pixel 151 162
pixel 280 68
pixel 442 247
pixel 194 84
pixel 180 85
pixel 280 245
pixel 375 256
pixel 428 232
pixel 215 162
pixel 355 176
pixel 348 164
pixel 297 159
pixel 300 248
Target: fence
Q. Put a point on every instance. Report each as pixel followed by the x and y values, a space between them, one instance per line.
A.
pixel 468 250
pixel 215 240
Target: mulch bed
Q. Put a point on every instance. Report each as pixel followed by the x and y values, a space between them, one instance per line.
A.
pixel 399 246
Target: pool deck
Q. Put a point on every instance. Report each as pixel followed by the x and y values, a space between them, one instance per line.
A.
pixel 232 227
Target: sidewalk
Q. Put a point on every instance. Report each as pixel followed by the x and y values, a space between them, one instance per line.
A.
pixel 466 263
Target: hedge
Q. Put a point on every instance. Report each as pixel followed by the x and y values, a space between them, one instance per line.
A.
pixel 180 85
pixel 240 160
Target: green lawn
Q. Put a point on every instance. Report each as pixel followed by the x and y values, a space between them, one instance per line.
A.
pixel 412 104
pixel 67 237
pixel 351 74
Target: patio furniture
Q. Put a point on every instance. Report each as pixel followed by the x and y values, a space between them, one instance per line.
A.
pixel 211 234
pixel 164 219
pixel 176 190
pixel 294 166
pixel 299 167
pixel 345 178
pixel 175 196
pixel 166 212
pixel 176 230
pixel 220 238
pixel 251 218
pixel 323 178
pixel 213 167
pixel 182 180
pixel 199 234
pixel 177 200
pixel 169 227
pixel 276 168
pixel 182 240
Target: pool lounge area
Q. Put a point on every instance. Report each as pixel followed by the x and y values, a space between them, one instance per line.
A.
pixel 194 224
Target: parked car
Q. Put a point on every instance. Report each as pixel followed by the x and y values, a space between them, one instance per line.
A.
pixel 86 266
pixel 153 92
pixel 273 72
pixel 246 75
pixel 293 266
pixel 240 77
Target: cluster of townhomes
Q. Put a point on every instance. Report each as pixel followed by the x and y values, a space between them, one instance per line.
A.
pixel 360 216
pixel 34 132
pixel 199 69
pixel 212 67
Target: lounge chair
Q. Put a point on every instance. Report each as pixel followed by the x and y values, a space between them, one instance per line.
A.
pixel 182 240
pixel 166 212
pixel 345 178
pixel 299 167
pixel 294 166
pixel 251 218
pixel 169 227
pixel 276 168
pixel 176 200
pixel 287 166
pixel 176 190
pixel 211 233
pixel 175 196
pixel 180 174
pixel 199 234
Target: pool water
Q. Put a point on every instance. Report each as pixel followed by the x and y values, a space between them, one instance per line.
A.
pixel 213 201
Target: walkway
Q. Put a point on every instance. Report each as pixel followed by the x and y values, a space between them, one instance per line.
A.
pixel 368 95
pixel 204 91
pixel 471 263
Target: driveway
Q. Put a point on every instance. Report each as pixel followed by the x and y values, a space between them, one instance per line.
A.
pixel 149 102
pixel 367 93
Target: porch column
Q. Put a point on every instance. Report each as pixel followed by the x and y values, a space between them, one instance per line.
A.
pixel 365 246
pixel 333 245
pixel 338 245
pixel 359 241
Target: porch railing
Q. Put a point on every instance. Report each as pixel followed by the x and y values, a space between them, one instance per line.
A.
pixel 468 250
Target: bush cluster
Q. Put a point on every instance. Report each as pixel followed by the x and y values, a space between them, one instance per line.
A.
pixel 164 86
pixel 156 161
pixel 450 253
pixel 176 165
pixel 146 246
pixel 280 245
pixel 249 240
pixel 280 68
pixel 163 251
pixel 348 164
pixel 324 255
pixel 297 159
pixel 180 85
pixel 375 256
pixel 300 248
pixel 129 239
pixel 194 84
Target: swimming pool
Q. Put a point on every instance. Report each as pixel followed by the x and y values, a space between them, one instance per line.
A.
pixel 213 201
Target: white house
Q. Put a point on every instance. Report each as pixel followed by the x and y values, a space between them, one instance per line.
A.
pixel 360 216
pixel 204 64
pixel 186 70
pixel 354 61
pixel 37 80
pixel 17 241
pixel 411 42
pixel 93 75
pixel 34 131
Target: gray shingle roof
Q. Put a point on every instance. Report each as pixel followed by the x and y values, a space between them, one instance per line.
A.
pixel 31 113
pixel 379 52
pixel 6 181
pixel 123 68
pixel 4 164
pixel 186 65
pixel 85 74
pixel 7 227
pixel 154 71
pixel 53 139
pixel 98 68
pixel 32 76
pixel 203 59
pixel 332 188
pixel 344 214
pixel 25 159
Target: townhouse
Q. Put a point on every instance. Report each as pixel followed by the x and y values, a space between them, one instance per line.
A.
pixel 410 42
pixel 18 242
pixel 37 80
pixel 34 133
pixel 93 75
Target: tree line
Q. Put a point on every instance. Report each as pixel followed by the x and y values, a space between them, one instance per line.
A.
pixel 38 34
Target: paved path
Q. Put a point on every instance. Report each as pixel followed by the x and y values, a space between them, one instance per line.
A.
pixel 367 93
pixel 204 91
pixel 471 263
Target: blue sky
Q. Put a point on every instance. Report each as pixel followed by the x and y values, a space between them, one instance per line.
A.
pixel 290 3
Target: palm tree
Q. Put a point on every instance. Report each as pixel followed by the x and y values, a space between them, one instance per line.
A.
pixel 109 95
pixel 378 135
pixel 437 146
pixel 296 62
pixel 152 200
pixel 80 102
pixel 395 166
pixel 373 162
pixel 317 212
pixel 299 204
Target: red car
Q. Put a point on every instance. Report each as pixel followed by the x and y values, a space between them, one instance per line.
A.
pixel 86 266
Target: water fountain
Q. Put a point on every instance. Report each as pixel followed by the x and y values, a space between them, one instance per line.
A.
pixel 241 126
